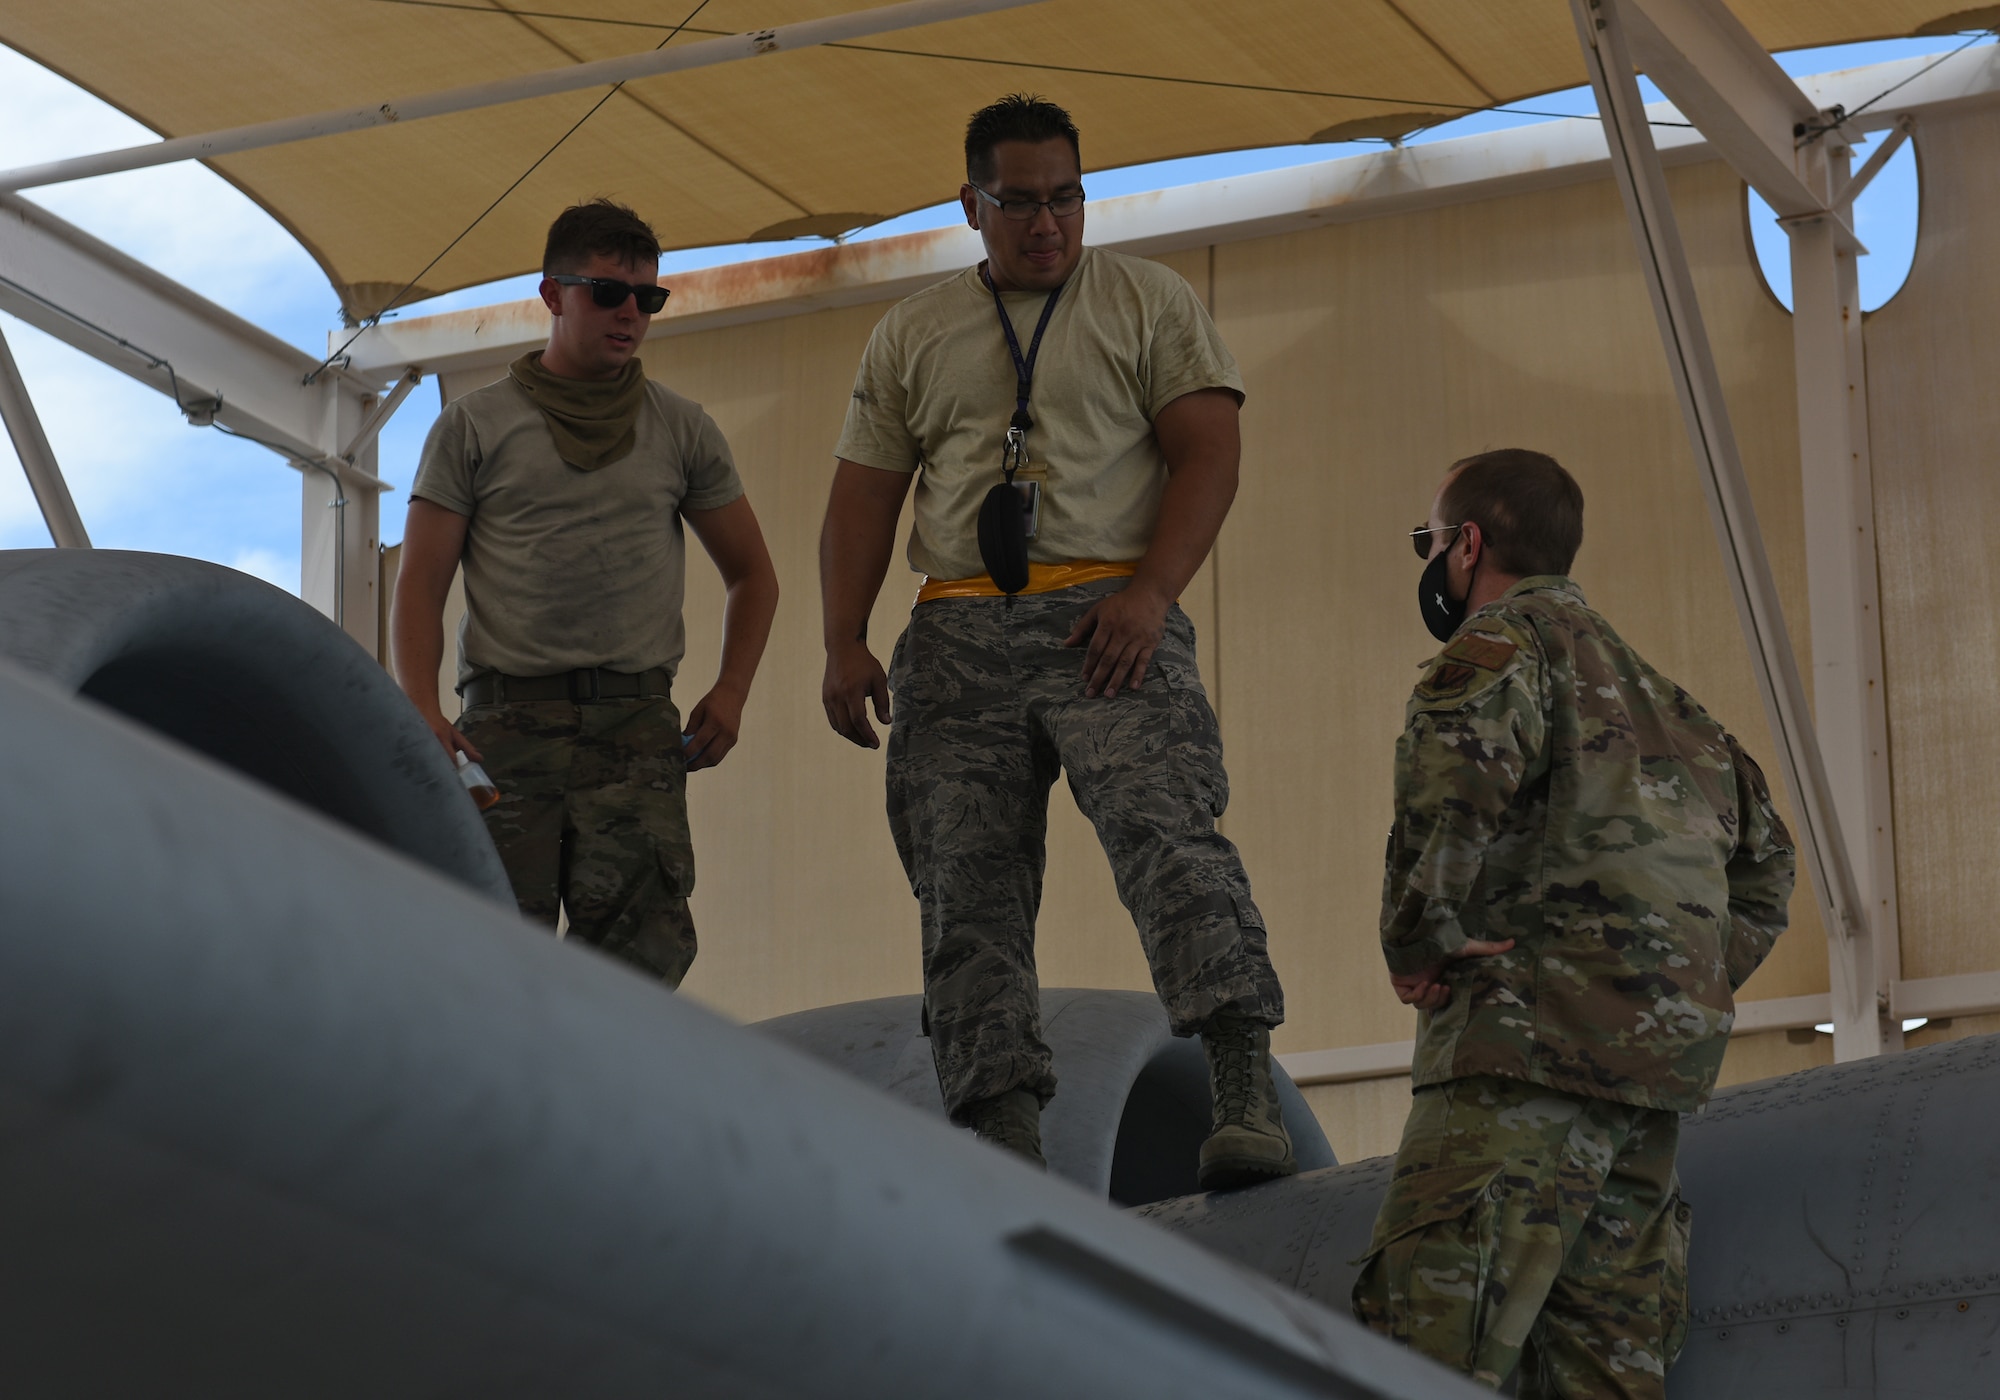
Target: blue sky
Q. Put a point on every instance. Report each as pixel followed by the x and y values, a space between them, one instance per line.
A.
pixel 143 479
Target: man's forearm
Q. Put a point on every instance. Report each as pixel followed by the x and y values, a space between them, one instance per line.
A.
pixel 1192 509
pixel 850 579
pixel 417 648
pixel 855 546
pixel 748 608
pixel 1203 447
pixel 433 542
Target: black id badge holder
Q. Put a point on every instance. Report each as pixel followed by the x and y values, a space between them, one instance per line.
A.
pixel 1006 520
pixel 1011 513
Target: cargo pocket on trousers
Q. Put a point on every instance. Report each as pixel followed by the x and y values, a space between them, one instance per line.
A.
pixel 1250 919
pixel 666 942
pixel 676 860
pixel 1430 1257
pixel 1674 1279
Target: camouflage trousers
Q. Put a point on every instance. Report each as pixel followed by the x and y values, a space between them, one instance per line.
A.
pixel 592 818
pixel 1525 1225
pixel 989 707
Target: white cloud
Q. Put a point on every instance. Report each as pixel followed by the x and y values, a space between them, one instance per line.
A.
pixel 269 566
pixel 104 429
pixel 142 478
pixel 183 219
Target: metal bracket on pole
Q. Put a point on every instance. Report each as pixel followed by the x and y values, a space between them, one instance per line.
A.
pixel 1663 262
pixel 1872 167
pixel 38 459
pixel 371 427
pixel 1840 227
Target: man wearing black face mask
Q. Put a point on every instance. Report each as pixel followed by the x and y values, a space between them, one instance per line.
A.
pixel 1583 869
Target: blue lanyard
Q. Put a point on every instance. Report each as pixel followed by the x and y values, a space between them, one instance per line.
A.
pixel 1024 374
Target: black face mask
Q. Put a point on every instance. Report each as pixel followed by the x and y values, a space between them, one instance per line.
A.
pixel 1442 615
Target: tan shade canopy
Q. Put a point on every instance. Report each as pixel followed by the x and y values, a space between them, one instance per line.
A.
pixel 809 142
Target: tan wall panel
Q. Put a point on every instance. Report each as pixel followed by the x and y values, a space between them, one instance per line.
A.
pixel 1772 1053
pixel 799 897
pixel 1378 352
pixel 1363 1119
pixel 1933 422
pixel 1938 1032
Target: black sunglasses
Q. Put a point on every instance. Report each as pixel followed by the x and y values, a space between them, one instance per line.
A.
pixel 1421 538
pixel 609 292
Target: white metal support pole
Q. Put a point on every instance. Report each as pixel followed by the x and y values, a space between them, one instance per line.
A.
pixel 341 511
pixel 1849 705
pixel 1663 262
pixel 340 520
pixel 38 459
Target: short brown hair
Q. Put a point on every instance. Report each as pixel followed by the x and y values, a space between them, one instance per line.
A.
pixel 583 231
pixel 1528 509
pixel 1019 116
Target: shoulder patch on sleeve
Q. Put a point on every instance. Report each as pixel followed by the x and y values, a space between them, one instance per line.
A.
pixel 1481 649
pixel 1475 664
pixel 1446 682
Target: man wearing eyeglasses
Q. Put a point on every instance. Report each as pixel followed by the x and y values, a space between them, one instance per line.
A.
pixel 562 490
pixel 1068 416
pixel 1583 869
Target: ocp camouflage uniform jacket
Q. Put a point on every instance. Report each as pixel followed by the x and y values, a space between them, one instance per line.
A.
pixel 1553 788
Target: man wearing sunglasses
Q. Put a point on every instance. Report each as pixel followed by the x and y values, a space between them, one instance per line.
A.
pixel 1068 416
pixel 562 490
pixel 1583 869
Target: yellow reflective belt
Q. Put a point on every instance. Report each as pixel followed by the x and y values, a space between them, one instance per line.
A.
pixel 1042 578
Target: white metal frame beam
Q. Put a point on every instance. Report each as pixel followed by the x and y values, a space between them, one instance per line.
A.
pixel 1858 1018
pixel 1721 79
pixel 604 72
pixel 218 368
pixel 115 309
pixel 38 459
pixel 1797 156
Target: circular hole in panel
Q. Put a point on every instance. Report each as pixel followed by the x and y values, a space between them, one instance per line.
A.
pixel 1886 216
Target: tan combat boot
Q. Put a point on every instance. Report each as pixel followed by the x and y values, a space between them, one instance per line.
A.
pixel 1012 1120
pixel 1248 1143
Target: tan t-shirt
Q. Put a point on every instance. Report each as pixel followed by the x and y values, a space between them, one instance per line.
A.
pixel 567 568
pixel 936 389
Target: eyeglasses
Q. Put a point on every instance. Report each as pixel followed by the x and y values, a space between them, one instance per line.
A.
pixel 1420 538
pixel 1063 206
pixel 609 292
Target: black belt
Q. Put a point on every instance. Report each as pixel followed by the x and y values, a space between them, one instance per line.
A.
pixel 579 687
